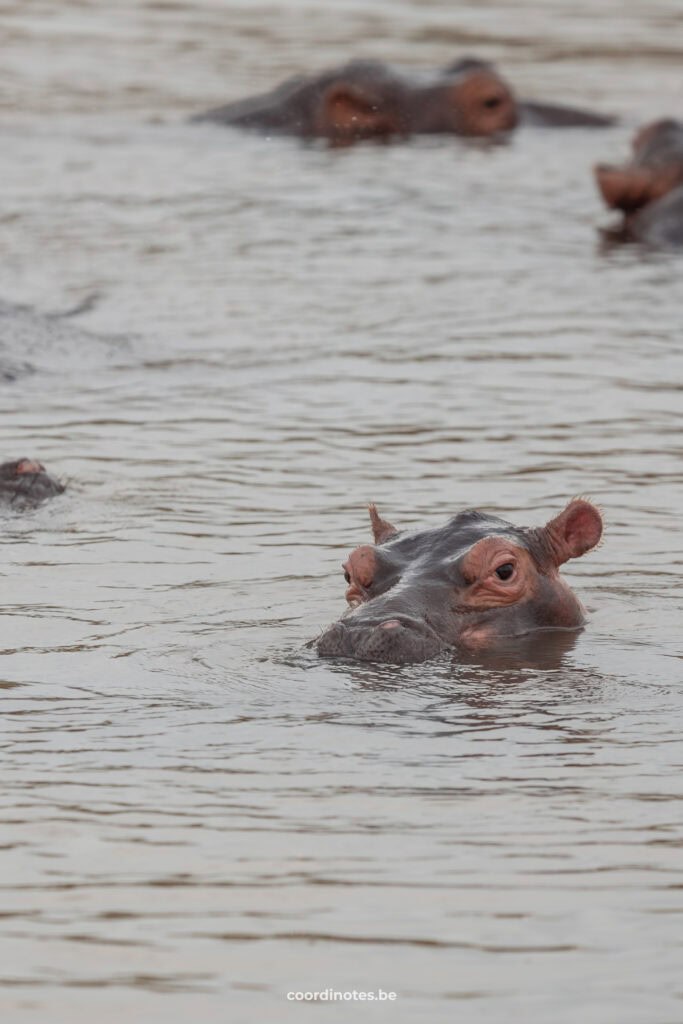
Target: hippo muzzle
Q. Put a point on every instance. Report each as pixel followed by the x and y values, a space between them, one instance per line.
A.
pixel 399 640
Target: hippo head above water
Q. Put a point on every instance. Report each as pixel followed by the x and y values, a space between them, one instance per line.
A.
pixel 366 99
pixel 467 584
pixel 654 170
pixel 24 482
pixel 648 189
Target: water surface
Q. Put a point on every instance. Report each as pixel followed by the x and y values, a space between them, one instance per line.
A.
pixel 198 815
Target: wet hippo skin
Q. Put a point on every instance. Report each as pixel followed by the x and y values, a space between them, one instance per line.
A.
pixel 25 483
pixel 369 100
pixel 466 585
pixel 648 189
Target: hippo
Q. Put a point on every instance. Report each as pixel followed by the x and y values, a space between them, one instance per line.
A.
pixel 25 483
pixel 366 99
pixel 464 586
pixel 648 190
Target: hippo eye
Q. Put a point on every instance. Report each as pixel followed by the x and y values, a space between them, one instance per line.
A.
pixel 347 577
pixel 505 571
pixel 492 102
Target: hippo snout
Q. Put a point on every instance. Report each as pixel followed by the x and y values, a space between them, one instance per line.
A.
pixel 399 641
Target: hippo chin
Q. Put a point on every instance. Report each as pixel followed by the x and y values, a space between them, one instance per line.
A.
pixel 466 585
pixel 25 483
pixel 648 189
pixel 366 99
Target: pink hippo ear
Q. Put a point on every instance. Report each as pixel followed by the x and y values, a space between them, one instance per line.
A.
pixel 574 532
pixel 630 188
pixel 381 529
pixel 348 112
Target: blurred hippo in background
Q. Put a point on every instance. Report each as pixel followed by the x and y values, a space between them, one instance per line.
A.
pixel 367 99
pixel 474 582
pixel 648 189
pixel 25 483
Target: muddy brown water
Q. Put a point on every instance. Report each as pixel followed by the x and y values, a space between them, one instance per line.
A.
pixel 198 815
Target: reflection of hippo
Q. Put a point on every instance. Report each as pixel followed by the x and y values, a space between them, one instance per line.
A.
pixel 467 584
pixel 368 100
pixel 649 189
pixel 24 482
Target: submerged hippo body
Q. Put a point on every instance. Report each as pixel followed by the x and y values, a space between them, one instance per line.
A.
pixel 24 483
pixel 467 584
pixel 369 100
pixel 648 190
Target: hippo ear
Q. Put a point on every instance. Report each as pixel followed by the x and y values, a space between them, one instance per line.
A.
pixel 574 532
pixel 381 529
pixel 347 111
pixel 627 188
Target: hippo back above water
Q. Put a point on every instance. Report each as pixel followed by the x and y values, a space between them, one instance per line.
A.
pixel 467 584
pixel 367 99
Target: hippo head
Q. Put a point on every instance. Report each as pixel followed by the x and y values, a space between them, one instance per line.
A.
pixel 655 169
pixel 466 584
pixel 476 101
pixel 468 98
pixel 25 482
pixel 366 100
